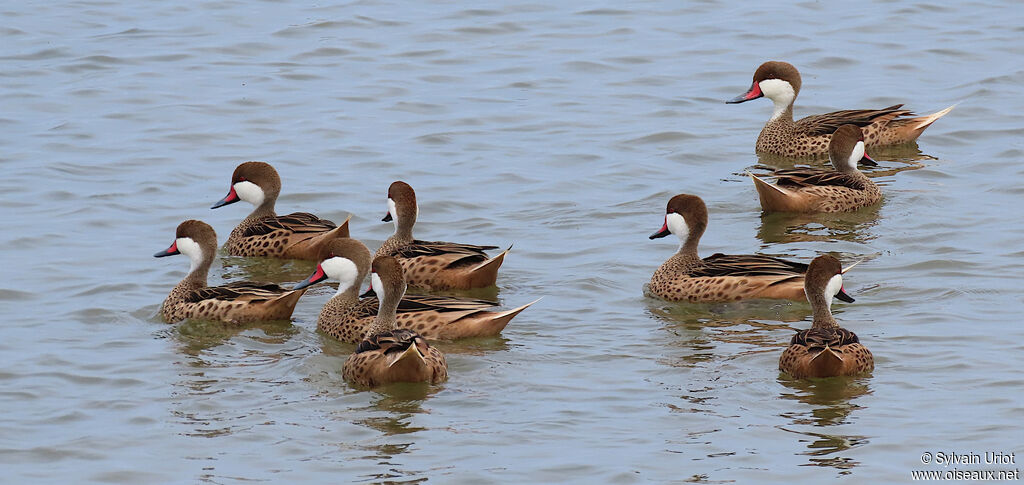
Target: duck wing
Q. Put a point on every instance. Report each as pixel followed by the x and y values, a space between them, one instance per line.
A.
pixel 297 222
pixel 828 123
pixel 747 265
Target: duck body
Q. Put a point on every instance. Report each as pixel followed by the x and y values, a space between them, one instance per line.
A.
pixel 809 136
pixel 299 235
pixel 394 356
pixel 439 265
pixel 825 352
pixel 433 317
pixel 238 302
pixel 722 277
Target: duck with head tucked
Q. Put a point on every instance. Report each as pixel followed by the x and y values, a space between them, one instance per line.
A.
pixel 299 235
pixel 388 354
pixel 825 349
pixel 813 190
pixel 434 265
pixel 346 317
pixel 238 302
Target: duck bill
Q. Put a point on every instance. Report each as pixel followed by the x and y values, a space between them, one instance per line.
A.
pixel 413 352
pixel 753 93
pixel 868 161
pixel 843 296
pixel 313 279
pixel 171 251
pixel 387 218
pixel 231 198
pixel 661 232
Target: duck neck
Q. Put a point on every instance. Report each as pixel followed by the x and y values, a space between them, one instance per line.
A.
pixel 386 318
pixel 403 229
pixel 783 113
pixel 346 298
pixel 266 209
pixel 822 312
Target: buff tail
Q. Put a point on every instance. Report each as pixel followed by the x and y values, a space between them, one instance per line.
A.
pixel 828 363
pixel 492 323
pixel 775 198
pixel 486 273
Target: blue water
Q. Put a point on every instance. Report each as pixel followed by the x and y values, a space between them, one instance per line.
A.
pixel 560 129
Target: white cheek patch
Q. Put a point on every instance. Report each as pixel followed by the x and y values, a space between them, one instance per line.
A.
pixel 343 270
pixel 249 192
pixel 779 91
pixel 190 248
pixel 858 153
pixel 677 225
pixel 832 289
pixel 393 211
pixel 378 287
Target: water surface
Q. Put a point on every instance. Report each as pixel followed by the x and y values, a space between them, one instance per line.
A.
pixel 562 129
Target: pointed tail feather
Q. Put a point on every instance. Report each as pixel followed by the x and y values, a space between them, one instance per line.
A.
pixel 774 198
pixel 499 321
pixel 826 364
pixel 486 273
pixel 484 323
pixel 287 301
pixel 924 121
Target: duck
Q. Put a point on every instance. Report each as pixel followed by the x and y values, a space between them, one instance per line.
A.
pixel 434 265
pixel 388 354
pixel 299 235
pixel 825 349
pixel 780 82
pixel 719 277
pixel 346 317
pixel 237 302
pixel 806 190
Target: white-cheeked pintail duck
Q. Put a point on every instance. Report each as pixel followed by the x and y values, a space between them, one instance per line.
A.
pixel 780 82
pixel 719 277
pixel 346 317
pixel 299 235
pixel 238 302
pixel 825 349
pixel 388 354
pixel 434 265
pixel 813 190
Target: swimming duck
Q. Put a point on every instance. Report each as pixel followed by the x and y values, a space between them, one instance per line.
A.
pixel 238 302
pixel 346 317
pixel 825 349
pixel 388 354
pixel 812 190
pixel 299 235
pixel 780 82
pixel 434 265
pixel 719 277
